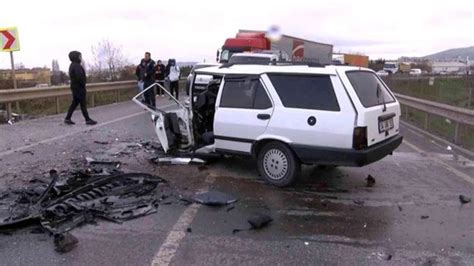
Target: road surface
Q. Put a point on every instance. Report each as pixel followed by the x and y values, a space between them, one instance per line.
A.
pixel 316 222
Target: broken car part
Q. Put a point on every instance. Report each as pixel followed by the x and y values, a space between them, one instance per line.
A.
pixel 214 198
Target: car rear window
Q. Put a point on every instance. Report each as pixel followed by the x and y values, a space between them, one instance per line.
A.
pixel 370 90
pixel 305 91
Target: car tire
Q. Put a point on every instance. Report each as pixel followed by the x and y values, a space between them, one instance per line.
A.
pixel 277 164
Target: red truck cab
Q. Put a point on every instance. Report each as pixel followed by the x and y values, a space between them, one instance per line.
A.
pixel 243 42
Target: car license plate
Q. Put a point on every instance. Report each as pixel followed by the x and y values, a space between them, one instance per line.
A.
pixel 385 125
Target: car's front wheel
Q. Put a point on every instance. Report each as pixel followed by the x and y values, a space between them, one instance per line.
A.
pixel 277 164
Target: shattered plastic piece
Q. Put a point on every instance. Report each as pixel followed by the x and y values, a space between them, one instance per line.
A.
pixel 400 208
pixel 28 152
pixel 424 217
pixel 359 202
pixel 259 221
pixel 189 230
pixel 370 181
pixel 463 199
pixel 10 122
pixel 449 148
pixel 65 242
pixel 230 208
pixel 306 243
pixel 214 198
pixel 101 142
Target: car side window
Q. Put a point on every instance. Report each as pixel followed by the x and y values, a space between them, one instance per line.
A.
pixel 261 100
pixel 246 93
pixel 305 91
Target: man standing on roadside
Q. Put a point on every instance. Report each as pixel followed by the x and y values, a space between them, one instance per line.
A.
pixel 78 88
pixel 148 79
pixel 160 76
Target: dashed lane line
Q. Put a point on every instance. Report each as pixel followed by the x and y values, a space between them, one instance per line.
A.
pixel 170 246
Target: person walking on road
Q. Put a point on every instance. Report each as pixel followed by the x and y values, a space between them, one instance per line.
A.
pixel 147 75
pixel 160 76
pixel 173 73
pixel 77 75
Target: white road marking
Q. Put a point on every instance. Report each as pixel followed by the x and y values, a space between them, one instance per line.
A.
pixel 171 244
pixel 448 167
pixel 75 132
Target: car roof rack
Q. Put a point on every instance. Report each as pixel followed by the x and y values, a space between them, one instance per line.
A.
pixel 277 63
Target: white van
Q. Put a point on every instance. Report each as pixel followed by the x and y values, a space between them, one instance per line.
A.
pixel 285 116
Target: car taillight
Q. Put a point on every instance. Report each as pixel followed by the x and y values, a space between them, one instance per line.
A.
pixel 359 139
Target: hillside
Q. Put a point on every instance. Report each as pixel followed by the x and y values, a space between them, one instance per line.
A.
pixel 452 54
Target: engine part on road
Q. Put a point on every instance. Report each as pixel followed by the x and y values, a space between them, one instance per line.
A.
pixel 214 198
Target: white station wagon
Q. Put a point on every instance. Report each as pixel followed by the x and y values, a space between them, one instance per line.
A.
pixel 285 116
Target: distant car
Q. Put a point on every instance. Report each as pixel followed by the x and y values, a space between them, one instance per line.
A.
pixel 415 72
pixel 382 73
pixel 202 80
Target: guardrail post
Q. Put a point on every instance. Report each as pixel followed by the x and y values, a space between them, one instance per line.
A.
pixel 456 133
pixel 92 99
pixel 118 96
pixel 9 111
pixel 57 105
pixel 427 121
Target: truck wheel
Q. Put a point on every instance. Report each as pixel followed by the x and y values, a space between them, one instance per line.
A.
pixel 277 164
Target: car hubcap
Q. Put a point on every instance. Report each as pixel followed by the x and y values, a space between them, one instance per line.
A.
pixel 275 164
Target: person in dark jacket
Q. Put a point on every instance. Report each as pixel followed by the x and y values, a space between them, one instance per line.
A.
pixel 160 76
pixel 78 88
pixel 147 74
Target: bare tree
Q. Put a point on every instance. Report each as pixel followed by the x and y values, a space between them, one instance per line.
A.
pixel 108 61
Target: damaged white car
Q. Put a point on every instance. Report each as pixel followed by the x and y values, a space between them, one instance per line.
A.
pixel 284 116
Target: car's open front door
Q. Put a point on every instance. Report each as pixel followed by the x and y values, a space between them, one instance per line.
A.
pixel 171 121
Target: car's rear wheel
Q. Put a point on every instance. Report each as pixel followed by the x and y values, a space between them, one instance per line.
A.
pixel 277 164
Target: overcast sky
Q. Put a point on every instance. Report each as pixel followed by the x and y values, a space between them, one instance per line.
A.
pixel 193 30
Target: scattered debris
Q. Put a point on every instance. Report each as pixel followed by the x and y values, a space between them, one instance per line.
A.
pixel 101 142
pixel 424 217
pixel 382 256
pixel 464 200
pixel 257 221
pixel 306 243
pixel 359 202
pixel 214 198
pixel 449 148
pixel 370 181
pixel 230 208
pixel 81 198
pixel 10 121
pixel 28 152
pixel 65 242
pixel 400 208
pixel 365 225
pixel 202 168
pixel 177 160
pixel 189 230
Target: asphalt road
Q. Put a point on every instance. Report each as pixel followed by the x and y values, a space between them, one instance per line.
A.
pixel 315 222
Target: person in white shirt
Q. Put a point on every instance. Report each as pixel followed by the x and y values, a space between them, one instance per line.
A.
pixel 173 74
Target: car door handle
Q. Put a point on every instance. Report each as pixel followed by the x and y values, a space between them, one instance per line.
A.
pixel 263 116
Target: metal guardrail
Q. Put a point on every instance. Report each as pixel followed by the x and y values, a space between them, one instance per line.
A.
pixel 456 114
pixel 16 95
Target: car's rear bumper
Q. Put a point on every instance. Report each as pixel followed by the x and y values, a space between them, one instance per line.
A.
pixel 346 157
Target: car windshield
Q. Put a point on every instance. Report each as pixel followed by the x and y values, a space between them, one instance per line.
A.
pixel 249 60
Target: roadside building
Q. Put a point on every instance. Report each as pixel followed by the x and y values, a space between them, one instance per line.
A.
pixel 449 67
pixel 34 77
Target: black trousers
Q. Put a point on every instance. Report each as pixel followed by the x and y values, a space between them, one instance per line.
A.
pixel 150 95
pixel 160 91
pixel 174 89
pixel 75 102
